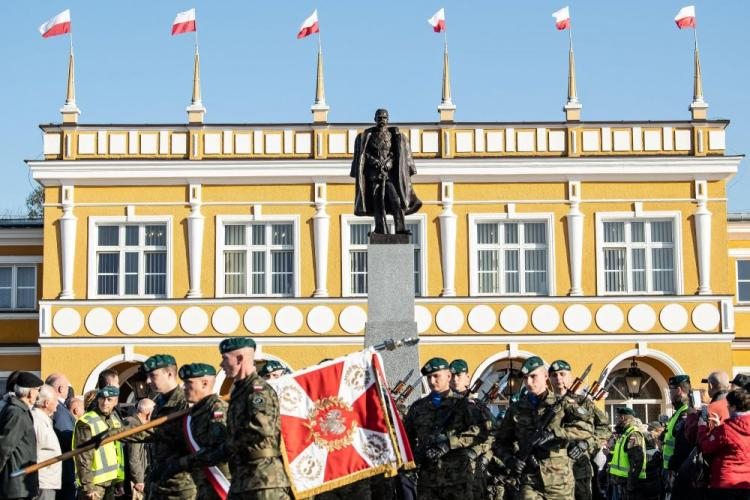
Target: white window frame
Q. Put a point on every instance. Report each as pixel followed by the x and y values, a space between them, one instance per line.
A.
pixel 348 219
pixel 547 217
pixel 222 220
pixel 93 239
pixel 639 215
pixel 14 265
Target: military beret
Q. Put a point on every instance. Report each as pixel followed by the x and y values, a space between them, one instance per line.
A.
pixel 229 345
pixel 531 364
pixel 559 365
pixel 434 365
pixel 459 366
pixel 271 366
pixel 158 361
pixel 108 392
pixel 678 379
pixel 195 370
pixel 28 380
pixel 625 411
pixel 740 380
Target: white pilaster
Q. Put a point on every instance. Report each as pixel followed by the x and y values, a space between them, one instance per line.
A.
pixel 321 224
pixel 575 237
pixel 703 237
pixel 448 240
pixel 68 223
pixel 195 241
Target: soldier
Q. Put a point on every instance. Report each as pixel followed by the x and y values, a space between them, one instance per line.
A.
pixel 204 427
pixel 627 469
pixel 460 376
pixel 168 440
pixel 676 447
pixel 581 451
pixel 100 472
pixel 548 472
pixel 442 429
pixel 272 369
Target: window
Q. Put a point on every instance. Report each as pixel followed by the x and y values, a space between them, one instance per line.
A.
pixel 638 256
pixel 131 259
pixel 357 254
pixel 18 287
pixel 511 257
pixel 743 280
pixel 649 404
pixel 259 258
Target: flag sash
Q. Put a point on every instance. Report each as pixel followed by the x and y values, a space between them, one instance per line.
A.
pixel 218 480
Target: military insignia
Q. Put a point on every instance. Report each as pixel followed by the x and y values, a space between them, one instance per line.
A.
pixel 582 411
pixel 257 388
pixel 290 398
pixel 218 414
pixel 356 377
pixel 332 423
pixel 309 468
pixel 258 400
pixel 376 449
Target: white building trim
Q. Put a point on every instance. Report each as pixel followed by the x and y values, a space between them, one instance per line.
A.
pixel 21 259
pixel 498 356
pixel 93 377
pixel 21 236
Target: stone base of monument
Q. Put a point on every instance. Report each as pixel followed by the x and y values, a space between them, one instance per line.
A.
pixel 390 306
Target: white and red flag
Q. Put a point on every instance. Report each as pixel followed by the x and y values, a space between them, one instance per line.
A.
pixel 58 25
pixel 685 18
pixel 437 21
pixel 309 25
pixel 184 22
pixel 216 478
pixel 339 424
pixel 562 18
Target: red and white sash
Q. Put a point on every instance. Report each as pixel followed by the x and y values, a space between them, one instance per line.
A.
pixel 217 479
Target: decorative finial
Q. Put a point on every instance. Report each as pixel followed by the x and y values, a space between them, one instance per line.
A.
pixel 196 110
pixel 69 110
pixel 699 107
pixel 446 109
pixel 320 108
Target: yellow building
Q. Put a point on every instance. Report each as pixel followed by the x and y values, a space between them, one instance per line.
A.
pixel 596 242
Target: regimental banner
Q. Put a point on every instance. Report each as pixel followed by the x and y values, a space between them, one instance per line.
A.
pixel 339 424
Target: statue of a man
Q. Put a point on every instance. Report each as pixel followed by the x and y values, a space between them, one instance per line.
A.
pixel 382 168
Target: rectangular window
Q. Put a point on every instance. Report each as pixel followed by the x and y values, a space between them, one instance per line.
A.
pixel 638 256
pixel 18 287
pixel 512 258
pixel 259 259
pixel 358 238
pixel 131 260
pixel 743 280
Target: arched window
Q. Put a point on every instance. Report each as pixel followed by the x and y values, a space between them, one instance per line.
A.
pixel 498 369
pixel 649 404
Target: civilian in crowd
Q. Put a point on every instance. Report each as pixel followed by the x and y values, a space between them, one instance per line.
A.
pixel 109 378
pixel 740 381
pixel 727 446
pixel 137 453
pixel 17 438
pixel 75 405
pixel 718 388
pixel 47 444
pixel 654 431
pixel 64 421
pixel 9 383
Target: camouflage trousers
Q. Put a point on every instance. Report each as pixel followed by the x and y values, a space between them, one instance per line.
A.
pixel 158 493
pixel 453 492
pixel 104 492
pixel 264 494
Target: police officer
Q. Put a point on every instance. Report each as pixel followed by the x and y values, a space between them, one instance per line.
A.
pixel 272 369
pixel 676 448
pixel 100 472
pixel 548 472
pixel 627 468
pixel 442 429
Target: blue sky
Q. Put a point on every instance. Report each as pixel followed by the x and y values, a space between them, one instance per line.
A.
pixel 508 63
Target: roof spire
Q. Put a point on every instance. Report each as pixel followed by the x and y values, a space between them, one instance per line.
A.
pixel 573 107
pixel 196 110
pixel 699 107
pixel 446 108
pixel 69 110
pixel 320 108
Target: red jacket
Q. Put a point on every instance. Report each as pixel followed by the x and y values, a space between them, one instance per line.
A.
pixel 728 447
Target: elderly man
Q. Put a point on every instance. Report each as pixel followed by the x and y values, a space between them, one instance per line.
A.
pixel 76 407
pixel 137 453
pixel 718 388
pixel 17 438
pixel 47 444
pixel 64 421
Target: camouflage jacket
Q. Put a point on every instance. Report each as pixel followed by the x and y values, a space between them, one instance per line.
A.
pixel 84 461
pixel 461 421
pixel 208 424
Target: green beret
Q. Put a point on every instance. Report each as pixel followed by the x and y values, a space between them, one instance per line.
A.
pixel 531 364
pixel 195 370
pixel 459 366
pixel 270 366
pixel 434 365
pixel 229 345
pixel 678 379
pixel 108 392
pixel 158 361
pixel 559 365
pixel 626 411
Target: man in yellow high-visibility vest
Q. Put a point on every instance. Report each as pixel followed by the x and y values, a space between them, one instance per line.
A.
pixel 101 471
pixel 676 448
pixel 627 469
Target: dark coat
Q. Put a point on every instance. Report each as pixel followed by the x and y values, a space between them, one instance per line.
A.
pixel 403 163
pixel 63 422
pixel 17 450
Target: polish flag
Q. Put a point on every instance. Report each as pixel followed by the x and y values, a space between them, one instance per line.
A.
pixel 58 25
pixel 309 25
pixel 437 21
pixel 686 17
pixel 184 22
pixel 562 18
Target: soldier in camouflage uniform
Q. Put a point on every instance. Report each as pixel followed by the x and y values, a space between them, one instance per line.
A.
pixel 442 428
pixel 548 472
pixel 208 429
pixel 168 439
pixel 581 451
pixel 271 369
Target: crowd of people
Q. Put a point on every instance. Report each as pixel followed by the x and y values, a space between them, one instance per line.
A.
pixel 553 441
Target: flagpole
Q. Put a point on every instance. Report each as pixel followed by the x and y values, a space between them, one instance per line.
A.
pixel 196 39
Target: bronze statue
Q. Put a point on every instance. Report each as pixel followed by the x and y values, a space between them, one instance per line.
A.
pixel 382 167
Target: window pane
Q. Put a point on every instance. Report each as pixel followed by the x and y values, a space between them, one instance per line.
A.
pixel 25 276
pixel 488 267
pixel 358 234
pixel 131 273
pixel 661 231
pixel 638 257
pixel 358 271
pixel 743 269
pixel 131 235
pixel 234 273
pixel 259 272
pixel 26 298
pixel 281 234
pixel 614 232
pixel 535 232
pixel 259 234
pixel 417 263
pixel 487 233
pixel 636 232
pixel 614 269
pixel 6 276
pixel 536 271
pixel 109 235
pixel 743 290
pixel 108 273
pixel 281 272
pixel 156 235
pixel 5 298
pixel 511 232
pixel 511 271
pixel 26 288
pixel 131 262
pixel 662 261
pixel 234 235
pixel 156 272
pixel 414 238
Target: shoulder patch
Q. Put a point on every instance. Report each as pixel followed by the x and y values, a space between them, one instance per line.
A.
pixel 258 388
pixel 582 411
pixel 258 400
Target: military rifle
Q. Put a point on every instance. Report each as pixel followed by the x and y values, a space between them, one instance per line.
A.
pixel 496 389
pixel 401 384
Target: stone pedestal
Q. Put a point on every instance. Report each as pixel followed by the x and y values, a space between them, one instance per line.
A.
pixel 390 306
